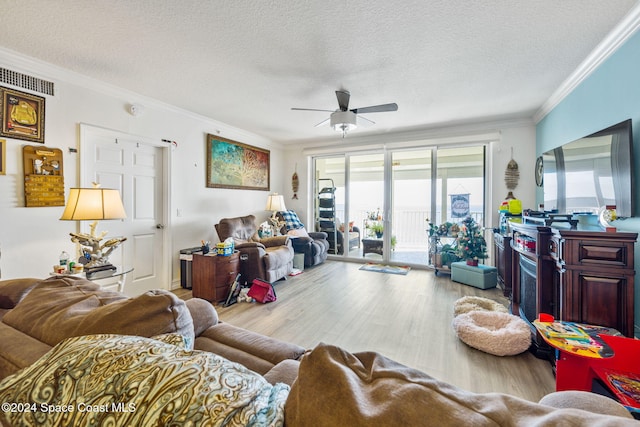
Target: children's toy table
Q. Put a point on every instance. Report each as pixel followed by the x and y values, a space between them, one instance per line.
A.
pixel 592 357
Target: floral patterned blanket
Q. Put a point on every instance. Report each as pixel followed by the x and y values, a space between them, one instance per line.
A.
pixel 120 380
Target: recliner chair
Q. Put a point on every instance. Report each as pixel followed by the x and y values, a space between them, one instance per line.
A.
pixel 268 258
pixel 313 244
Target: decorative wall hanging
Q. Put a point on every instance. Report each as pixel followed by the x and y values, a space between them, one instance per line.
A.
pixel 295 182
pixel 22 115
pixel 512 174
pixel 232 164
pixel 459 205
pixel 539 171
pixel 43 177
pixel 3 157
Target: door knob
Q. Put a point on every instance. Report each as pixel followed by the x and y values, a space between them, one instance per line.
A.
pixel 160 226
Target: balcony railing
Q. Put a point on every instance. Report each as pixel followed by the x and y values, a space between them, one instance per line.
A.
pixel 409 226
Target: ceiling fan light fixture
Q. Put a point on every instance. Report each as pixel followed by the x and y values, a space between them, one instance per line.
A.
pixel 343 121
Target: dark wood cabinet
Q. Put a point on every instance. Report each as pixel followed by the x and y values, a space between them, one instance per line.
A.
pixel 212 275
pixel 597 281
pixel 578 276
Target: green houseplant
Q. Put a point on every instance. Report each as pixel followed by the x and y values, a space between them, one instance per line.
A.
pixel 377 228
pixel 449 254
pixel 471 245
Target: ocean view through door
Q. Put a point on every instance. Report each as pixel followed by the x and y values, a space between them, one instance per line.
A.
pixel 386 200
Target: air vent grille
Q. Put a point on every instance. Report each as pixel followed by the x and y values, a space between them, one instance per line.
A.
pixel 26 82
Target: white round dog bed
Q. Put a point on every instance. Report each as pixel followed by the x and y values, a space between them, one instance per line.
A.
pixel 500 334
pixel 470 303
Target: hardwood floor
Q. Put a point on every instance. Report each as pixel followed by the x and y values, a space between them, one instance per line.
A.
pixel 406 318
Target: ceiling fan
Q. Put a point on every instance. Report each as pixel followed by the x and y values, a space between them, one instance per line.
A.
pixel 343 119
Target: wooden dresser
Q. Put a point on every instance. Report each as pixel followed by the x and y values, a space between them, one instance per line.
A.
pixel 212 275
pixel 577 276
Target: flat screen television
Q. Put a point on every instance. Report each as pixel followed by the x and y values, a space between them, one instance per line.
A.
pixel 590 173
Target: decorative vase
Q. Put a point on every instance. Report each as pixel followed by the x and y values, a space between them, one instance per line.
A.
pixel 472 262
pixel 378 234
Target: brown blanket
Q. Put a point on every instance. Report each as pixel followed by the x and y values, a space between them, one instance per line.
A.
pixel 335 387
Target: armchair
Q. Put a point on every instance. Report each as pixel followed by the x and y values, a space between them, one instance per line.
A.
pixel 268 258
pixel 349 238
pixel 314 245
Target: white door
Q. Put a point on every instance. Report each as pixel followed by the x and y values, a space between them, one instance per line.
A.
pixel 136 166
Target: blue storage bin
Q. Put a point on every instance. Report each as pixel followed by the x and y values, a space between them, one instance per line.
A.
pixel 481 277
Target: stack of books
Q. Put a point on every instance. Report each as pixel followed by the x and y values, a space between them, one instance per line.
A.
pixel 564 330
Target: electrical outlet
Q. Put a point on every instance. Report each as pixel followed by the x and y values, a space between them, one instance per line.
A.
pixel 179 212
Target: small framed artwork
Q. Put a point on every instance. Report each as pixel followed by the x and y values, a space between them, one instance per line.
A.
pixel 21 115
pixel 3 157
pixel 232 164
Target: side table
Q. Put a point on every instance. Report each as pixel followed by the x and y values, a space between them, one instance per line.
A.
pixel 601 356
pixel 102 277
pixel 372 245
pixel 213 274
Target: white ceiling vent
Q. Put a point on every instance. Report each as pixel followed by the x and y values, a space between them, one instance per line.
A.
pixel 26 82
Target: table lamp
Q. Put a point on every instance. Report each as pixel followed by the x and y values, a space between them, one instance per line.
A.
pixel 94 204
pixel 275 203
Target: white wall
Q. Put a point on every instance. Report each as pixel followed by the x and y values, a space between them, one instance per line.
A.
pixel 32 238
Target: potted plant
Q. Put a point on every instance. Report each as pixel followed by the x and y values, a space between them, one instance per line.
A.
pixel 377 228
pixel 471 245
pixel 448 254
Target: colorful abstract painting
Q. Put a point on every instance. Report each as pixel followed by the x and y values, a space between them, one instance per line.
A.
pixel 231 164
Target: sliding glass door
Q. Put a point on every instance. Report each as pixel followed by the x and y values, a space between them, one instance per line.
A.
pixel 383 201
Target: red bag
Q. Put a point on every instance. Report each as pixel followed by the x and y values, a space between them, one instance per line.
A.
pixel 262 291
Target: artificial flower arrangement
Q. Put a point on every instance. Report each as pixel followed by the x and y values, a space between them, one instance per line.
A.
pixel 444 229
pixel 374 215
pixel 471 244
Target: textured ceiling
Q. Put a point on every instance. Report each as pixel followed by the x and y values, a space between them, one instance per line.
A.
pixel 246 63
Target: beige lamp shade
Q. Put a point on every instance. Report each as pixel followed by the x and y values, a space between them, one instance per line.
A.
pixel 275 202
pixel 93 204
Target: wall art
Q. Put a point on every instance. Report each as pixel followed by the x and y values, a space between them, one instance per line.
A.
pixel 22 115
pixel 232 164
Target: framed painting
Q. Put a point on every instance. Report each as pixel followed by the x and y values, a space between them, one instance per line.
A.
pixel 22 115
pixel 3 157
pixel 232 164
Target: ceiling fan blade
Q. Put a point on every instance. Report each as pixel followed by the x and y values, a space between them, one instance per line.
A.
pixel 364 121
pixel 343 99
pixel 312 109
pixel 324 122
pixel 376 108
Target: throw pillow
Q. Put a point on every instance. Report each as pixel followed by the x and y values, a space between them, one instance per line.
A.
pixel 291 220
pixel 120 380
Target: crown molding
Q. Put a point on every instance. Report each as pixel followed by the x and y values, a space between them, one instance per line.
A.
pixel 616 38
pixel 32 66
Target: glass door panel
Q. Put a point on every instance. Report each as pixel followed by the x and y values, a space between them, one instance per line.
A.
pixel 329 201
pixel 460 184
pixel 411 205
pixel 366 206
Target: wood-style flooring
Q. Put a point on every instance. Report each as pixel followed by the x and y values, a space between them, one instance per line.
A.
pixel 406 318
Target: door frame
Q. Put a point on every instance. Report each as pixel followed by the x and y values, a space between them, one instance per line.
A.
pixel 85 181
